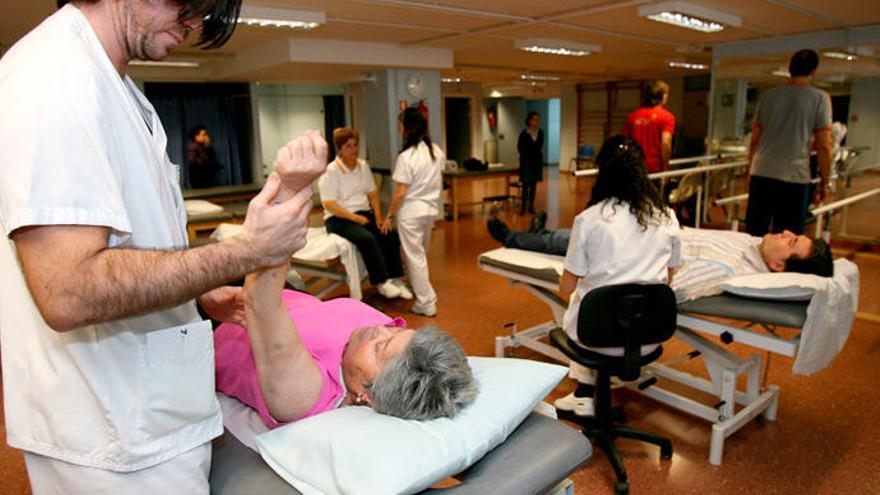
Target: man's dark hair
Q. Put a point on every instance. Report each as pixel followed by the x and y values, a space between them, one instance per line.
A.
pixel 219 18
pixel 654 92
pixel 818 263
pixel 530 115
pixel 194 131
pixel 623 179
pixel 803 63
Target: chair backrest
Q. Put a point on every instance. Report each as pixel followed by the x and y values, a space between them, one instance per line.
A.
pixel 628 316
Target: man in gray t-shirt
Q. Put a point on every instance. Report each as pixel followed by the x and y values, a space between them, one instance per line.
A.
pixel 787 120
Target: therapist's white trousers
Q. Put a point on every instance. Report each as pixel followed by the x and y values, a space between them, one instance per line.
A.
pixel 186 474
pixel 415 235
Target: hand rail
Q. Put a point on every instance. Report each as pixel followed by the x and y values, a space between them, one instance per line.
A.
pixel 732 199
pixel 844 202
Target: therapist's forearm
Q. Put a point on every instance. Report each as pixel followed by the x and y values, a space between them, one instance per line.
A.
pixel 397 198
pixel 375 204
pixel 108 284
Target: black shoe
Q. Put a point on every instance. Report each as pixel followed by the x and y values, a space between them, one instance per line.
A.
pixel 498 230
pixel 538 221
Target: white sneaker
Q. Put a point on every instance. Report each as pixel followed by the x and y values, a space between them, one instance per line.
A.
pixel 580 406
pixel 404 290
pixel 428 311
pixel 388 289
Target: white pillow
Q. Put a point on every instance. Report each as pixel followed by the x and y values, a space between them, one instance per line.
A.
pixel 200 207
pixel 786 286
pixel 354 450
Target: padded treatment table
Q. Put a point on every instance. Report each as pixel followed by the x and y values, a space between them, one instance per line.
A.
pixel 508 469
pixel 755 323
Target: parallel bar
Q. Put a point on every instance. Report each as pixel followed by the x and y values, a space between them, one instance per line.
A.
pixel 846 201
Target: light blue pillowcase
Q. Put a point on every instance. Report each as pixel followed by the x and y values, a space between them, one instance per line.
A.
pixel 354 450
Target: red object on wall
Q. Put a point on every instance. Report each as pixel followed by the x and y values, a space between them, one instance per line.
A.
pixel 492 115
pixel 423 109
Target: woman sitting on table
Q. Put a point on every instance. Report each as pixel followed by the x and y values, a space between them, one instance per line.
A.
pixel 301 356
pixel 352 210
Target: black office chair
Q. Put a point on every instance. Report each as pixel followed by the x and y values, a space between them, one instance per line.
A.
pixel 628 316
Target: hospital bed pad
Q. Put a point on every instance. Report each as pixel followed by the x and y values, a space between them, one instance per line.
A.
pixel 786 314
pixel 508 469
pixel 545 267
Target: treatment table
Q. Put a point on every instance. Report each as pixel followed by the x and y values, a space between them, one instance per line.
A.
pixel 508 469
pixel 756 324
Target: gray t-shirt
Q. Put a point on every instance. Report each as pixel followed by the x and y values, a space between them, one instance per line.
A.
pixel 788 116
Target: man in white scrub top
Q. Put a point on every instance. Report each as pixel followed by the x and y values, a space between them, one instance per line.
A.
pixel 108 373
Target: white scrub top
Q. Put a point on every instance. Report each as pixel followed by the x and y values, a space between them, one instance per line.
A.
pixel 424 178
pixel 609 247
pixel 347 187
pixel 77 149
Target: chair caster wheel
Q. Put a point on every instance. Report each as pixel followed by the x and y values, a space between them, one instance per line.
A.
pixel 621 488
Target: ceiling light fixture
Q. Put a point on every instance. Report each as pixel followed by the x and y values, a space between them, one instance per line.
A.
pixel 496 94
pixel 781 72
pixel 538 77
pixel 849 57
pixel 690 16
pixel 557 47
pixel 450 80
pixel 280 18
pixel 678 64
pixel 178 64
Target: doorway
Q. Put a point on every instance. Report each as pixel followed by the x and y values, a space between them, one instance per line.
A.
pixel 459 144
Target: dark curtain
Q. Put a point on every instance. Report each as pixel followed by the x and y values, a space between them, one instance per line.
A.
pixel 334 116
pixel 223 109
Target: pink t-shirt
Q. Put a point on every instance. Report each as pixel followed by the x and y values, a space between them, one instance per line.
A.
pixel 324 327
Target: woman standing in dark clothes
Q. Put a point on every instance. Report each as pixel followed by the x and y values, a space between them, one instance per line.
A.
pixel 531 160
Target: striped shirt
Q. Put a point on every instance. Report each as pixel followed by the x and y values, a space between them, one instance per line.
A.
pixel 711 257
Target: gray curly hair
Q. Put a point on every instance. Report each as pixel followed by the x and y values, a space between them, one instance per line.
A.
pixel 430 379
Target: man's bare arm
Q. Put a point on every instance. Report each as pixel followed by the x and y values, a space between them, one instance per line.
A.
pixel 665 149
pixel 289 378
pixel 76 280
pixel 824 152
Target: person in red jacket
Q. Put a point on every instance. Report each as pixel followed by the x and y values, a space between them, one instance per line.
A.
pixel 652 126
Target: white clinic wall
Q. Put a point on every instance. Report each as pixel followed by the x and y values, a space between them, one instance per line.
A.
pixel 864 118
pixel 511 121
pixel 568 106
pixel 287 111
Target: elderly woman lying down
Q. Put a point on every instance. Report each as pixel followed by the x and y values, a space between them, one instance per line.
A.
pixel 301 356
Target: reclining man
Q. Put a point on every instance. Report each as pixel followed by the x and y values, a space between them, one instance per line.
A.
pixel 709 257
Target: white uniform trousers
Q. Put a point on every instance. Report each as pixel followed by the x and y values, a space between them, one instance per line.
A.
pixel 415 235
pixel 186 474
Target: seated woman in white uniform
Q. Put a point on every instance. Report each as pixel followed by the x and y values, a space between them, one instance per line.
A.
pixel 626 235
pixel 301 356
pixel 352 210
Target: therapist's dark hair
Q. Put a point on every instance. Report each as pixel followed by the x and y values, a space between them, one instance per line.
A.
pixel 415 130
pixel 818 263
pixel 219 18
pixel 624 180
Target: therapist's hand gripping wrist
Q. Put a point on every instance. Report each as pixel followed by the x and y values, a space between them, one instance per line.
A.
pixel 273 228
